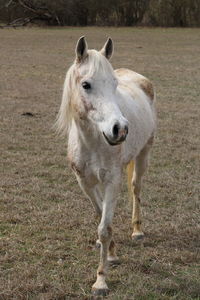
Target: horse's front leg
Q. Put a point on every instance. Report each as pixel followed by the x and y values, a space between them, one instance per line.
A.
pixel 105 237
pixel 92 192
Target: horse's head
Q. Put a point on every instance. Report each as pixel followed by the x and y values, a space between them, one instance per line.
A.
pixel 93 95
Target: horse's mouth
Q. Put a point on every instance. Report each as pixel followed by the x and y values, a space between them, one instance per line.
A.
pixel 114 143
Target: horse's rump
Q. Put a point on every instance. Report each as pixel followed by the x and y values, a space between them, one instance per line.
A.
pixel 128 78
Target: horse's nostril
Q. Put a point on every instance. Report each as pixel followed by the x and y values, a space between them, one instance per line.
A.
pixel 126 129
pixel 115 130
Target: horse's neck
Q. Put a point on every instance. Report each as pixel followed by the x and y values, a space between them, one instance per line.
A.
pixel 86 133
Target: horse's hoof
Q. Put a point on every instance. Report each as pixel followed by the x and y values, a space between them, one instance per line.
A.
pixel 100 292
pixel 113 260
pixel 98 244
pixel 137 236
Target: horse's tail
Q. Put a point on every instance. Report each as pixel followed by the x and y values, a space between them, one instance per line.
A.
pixel 129 170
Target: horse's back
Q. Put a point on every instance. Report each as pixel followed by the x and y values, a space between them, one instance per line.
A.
pixel 128 79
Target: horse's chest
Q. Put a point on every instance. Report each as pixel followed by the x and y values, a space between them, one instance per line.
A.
pixel 89 166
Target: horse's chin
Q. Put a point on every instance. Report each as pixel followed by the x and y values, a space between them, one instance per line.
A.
pixel 112 143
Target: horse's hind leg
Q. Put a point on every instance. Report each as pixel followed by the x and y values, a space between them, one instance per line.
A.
pixel 112 257
pixel 141 164
pixel 95 196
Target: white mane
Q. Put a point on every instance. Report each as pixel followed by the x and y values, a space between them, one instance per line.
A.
pixel 64 117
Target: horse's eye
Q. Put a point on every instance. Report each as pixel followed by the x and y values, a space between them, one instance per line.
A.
pixel 86 85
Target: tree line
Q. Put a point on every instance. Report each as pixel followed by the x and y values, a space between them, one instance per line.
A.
pixel 168 13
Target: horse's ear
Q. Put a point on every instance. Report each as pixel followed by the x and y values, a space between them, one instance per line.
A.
pixel 81 49
pixel 108 48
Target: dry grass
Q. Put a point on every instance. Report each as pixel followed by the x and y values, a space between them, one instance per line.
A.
pixel 47 235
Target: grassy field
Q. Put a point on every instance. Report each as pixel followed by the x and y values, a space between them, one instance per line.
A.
pixel 47 227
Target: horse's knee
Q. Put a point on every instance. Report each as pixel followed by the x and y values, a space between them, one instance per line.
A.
pixel 104 232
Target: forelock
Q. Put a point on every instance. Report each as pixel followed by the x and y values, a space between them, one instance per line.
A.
pixel 97 63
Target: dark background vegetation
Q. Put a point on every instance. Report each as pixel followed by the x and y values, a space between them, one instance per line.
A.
pixel 169 13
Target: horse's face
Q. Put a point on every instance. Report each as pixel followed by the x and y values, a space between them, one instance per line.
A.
pixel 97 87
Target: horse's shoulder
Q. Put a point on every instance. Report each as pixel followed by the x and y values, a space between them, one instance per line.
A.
pixel 128 76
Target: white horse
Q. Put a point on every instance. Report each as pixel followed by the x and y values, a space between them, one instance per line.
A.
pixel 109 119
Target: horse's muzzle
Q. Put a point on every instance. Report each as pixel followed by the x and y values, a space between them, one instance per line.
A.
pixel 118 136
